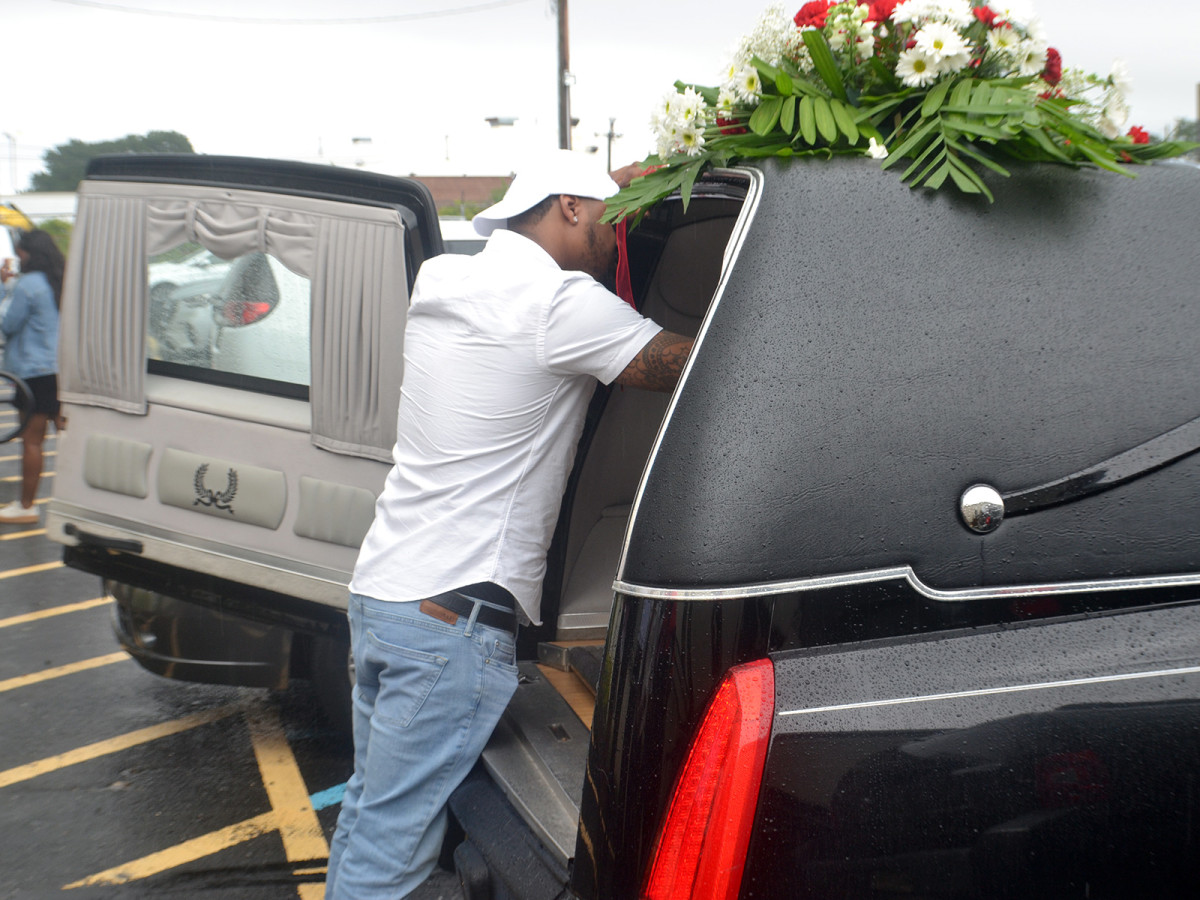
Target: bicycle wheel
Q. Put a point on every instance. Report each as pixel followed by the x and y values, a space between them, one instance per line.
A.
pixel 16 403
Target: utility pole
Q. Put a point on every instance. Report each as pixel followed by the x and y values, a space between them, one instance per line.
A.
pixel 565 78
pixel 611 135
pixel 12 160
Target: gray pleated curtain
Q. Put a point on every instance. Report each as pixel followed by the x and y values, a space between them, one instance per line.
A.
pixel 352 255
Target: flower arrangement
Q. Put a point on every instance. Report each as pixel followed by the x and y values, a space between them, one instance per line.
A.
pixel 953 87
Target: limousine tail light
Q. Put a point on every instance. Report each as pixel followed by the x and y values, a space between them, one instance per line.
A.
pixel 1071 779
pixel 235 313
pixel 701 849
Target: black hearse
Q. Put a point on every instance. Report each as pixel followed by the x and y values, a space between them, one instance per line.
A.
pixel 897 595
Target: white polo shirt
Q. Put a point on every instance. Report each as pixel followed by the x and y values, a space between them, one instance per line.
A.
pixel 500 353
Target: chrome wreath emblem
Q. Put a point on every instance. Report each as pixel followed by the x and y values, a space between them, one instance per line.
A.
pixel 217 499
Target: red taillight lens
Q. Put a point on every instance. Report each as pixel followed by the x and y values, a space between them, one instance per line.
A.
pixel 243 312
pixel 701 850
pixel 1071 779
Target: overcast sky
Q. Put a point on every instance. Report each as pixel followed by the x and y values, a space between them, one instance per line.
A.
pixel 420 88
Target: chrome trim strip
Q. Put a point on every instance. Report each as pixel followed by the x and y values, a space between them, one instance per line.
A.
pixel 287 576
pixel 736 239
pixel 905 573
pixel 986 692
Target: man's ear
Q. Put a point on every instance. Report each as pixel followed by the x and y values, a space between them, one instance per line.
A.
pixel 569 204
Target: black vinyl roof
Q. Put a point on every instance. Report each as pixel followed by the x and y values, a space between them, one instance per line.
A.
pixel 878 350
pixel 280 176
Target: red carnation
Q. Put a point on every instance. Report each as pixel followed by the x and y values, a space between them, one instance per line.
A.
pixel 730 126
pixel 1139 135
pixel 1052 74
pixel 985 15
pixel 812 15
pixel 879 10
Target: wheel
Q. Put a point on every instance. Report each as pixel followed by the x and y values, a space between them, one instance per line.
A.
pixel 14 395
pixel 332 679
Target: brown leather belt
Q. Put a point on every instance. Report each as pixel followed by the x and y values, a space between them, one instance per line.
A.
pixel 449 606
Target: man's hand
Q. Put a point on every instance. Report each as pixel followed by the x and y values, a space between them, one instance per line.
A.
pixel 626 174
pixel 658 365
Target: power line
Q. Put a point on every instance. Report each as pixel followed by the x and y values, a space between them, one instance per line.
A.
pixel 249 20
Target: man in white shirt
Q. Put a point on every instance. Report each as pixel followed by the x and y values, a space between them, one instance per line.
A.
pixel 501 355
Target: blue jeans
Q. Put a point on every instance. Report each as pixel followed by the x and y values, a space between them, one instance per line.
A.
pixel 426 699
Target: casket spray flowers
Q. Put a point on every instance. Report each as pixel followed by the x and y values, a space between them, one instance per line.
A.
pixel 946 88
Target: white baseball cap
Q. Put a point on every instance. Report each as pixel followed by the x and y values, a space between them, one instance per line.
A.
pixel 562 172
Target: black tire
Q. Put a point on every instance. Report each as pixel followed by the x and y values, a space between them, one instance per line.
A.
pixel 14 395
pixel 332 681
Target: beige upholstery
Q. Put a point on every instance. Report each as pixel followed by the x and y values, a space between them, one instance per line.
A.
pixel 677 298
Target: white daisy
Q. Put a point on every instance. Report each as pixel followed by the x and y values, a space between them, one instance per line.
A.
pixel 916 69
pixel 690 141
pixel 691 107
pixel 954 12
pixel 909 11
pixel 1015 13
pixel 748 85
pixel 1121 79
pixel 940 42
pixel 1030 57
pixel 1115 115
pixel 919 12
pixel 1003 40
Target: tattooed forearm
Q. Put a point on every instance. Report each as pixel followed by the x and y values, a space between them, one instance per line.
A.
pixel 658 366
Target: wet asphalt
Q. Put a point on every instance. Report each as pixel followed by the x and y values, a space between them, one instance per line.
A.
pixel 117 783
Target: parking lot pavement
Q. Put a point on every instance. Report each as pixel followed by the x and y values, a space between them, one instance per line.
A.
pixel 116 783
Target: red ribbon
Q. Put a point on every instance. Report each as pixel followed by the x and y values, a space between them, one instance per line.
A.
pixel 624 287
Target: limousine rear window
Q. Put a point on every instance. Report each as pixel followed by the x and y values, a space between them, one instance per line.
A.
pixel 335 273
pixel 241 322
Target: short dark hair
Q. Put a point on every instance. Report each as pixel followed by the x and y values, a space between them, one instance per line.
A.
pixel 533 215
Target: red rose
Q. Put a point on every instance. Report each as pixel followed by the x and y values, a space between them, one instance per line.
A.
pixel 1139 135
pixel 1052 74
pixel 985 15
pixel 813 14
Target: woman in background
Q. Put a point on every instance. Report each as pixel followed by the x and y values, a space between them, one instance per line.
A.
pixel 30 325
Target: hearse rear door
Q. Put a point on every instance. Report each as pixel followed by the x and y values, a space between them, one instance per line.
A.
pixel 231 354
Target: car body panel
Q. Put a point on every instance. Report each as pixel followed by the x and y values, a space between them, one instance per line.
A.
pixel 1054 759
pixel 874 352
pixel 907 345
pixel 163 487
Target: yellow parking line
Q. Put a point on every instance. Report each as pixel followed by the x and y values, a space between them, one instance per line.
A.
pixel 303 837
pixel 112 745
pixel 55 611
pixel 18 456
pixel 17 535
pixel 15 478
pixel 291 814
pixel 49 674
pixel 31 570
pixel 181 854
